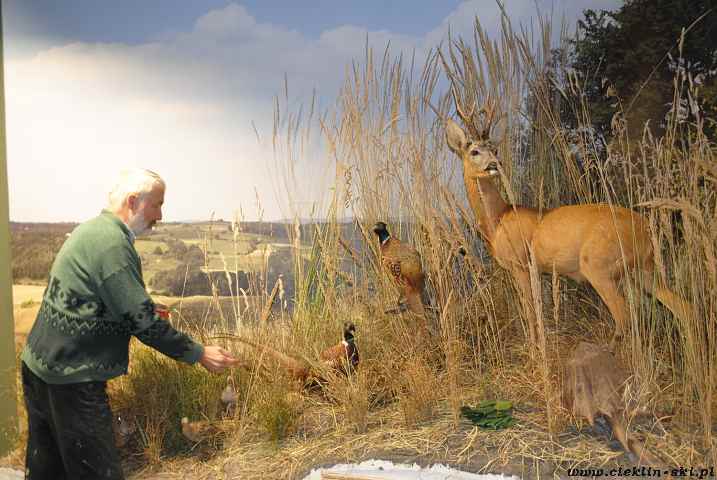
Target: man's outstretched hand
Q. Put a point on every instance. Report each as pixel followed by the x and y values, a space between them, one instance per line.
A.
pixel 216 359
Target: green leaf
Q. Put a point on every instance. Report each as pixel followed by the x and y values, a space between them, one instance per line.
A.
pixel 490 414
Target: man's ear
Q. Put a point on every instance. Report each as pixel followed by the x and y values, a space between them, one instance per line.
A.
pixel 132 201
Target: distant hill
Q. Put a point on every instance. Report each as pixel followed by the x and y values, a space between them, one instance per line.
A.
pixel 43 227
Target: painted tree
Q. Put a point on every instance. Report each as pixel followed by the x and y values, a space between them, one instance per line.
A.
pixel 632 54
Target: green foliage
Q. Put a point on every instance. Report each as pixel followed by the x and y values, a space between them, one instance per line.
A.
pixel 275 412
pixel 634 52
pixel 311 273
pixel 281 262
pixel 168 391
pixel 186 280
pixel 194 256
pixel 176 248
pixel 34 249
pixel 490 414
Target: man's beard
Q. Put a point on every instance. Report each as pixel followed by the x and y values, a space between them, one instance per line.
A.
pixel 138 224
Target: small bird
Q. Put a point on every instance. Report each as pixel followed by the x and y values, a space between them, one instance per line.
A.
pixel 343 357
pixel 229 396
pixel 199 431
pixel 404 264
pixel 124 428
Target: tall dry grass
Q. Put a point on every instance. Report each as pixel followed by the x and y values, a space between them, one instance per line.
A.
pixel 672 360
pixel 385 141
pixel 386 145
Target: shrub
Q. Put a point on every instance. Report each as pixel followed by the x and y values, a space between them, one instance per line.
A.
pixel 188 280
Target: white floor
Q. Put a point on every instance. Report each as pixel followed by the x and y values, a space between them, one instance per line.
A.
pixel 370 469
pixel 383 470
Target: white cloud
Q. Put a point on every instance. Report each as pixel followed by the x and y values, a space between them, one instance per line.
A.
pixel 183 105
pixel 232 20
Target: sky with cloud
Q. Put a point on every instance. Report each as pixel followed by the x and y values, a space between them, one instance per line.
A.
pixel 183 88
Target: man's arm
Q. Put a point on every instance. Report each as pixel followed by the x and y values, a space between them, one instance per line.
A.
pixel 126 298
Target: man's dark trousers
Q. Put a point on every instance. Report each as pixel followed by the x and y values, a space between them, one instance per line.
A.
pixel 70 434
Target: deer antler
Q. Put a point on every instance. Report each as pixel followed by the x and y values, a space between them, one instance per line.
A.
pixel 466 118
pixel 489 111
pixel 477 130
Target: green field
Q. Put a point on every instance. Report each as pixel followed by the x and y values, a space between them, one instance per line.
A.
pixel 220 251
pixel 166 248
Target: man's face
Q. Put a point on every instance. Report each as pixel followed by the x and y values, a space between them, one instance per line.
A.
pixel 147 211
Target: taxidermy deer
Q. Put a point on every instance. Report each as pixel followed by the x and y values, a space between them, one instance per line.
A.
pixel 594 387
pixel 589 242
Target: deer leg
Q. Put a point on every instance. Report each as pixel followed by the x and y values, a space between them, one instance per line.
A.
pixel 522 279
pixel 679 307
pixel 605 285
pixel 631 444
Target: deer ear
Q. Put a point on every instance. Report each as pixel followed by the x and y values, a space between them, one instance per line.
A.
pixel 455 137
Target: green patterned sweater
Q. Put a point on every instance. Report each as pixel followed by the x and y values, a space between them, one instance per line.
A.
pixel 94 302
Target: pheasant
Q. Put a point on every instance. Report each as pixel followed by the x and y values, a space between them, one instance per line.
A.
pixel 124 428
pixel 201 430
pixel 229 396
pixel 404 264
pixel 297 369
pixel 343 357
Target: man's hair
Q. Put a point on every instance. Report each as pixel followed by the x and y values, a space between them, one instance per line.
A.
pixel 136 181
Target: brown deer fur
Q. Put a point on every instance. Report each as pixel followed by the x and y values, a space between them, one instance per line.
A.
pixel 594 386
pixel 592 243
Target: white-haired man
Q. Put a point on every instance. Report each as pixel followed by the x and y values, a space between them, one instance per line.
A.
pixel 94 302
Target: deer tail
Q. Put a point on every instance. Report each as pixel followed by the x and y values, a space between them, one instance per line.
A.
pixel 679 307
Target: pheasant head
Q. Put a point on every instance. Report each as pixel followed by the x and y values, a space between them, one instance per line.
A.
pixel 380 229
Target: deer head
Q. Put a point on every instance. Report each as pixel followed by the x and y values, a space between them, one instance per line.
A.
pixel 479 155
pixel 475 149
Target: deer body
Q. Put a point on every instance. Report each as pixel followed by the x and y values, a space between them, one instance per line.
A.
pixel 578 240
pixel 593 242
pixel 572 240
